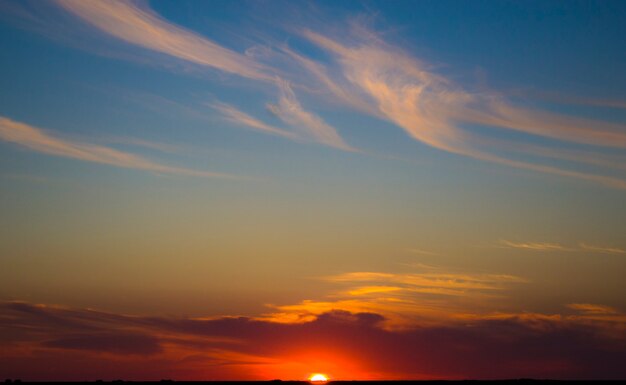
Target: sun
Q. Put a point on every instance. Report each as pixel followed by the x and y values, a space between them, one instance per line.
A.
pixel 318 378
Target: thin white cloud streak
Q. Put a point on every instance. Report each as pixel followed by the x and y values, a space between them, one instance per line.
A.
pixel 578 156
pixel 602 249
pixel 37 140
pixel 535 246
pixel 138 26
pixel 309 125
pixel 546 246
pixel 430 108
pixel 601 103
pixel 239 117
pixel 601 179
pixel 161 147
pixel 421 252
pixel 581 101
pixel 498 113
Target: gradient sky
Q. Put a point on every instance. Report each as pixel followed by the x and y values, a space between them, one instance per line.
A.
pixel 267 189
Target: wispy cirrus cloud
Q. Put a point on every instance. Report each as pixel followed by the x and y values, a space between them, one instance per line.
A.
pixel 546 246
pixel 149 144
pixel 38 140
pixel 421 252
pixel 602 249
pixel 399 88
pixel 545 152
pixel 383 81
pixel 430 107
pixel 535 246
pixel 306 125
pixel 581 100
pixel 309 125
pixel 332 84
pixel 239 117
pixel 434 110
pixel 142 27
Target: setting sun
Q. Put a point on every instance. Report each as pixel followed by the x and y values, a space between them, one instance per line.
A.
pixel 318 378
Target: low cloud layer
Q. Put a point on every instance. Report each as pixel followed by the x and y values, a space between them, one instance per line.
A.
pixel 48 342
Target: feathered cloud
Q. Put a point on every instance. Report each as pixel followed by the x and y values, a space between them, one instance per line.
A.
pixel 433 110
pixel 535 246
pixel 421 252
pixel 602 249
pixel 306 126
pixel 581 100
pixel 239 117
pixel 383 81
pixel 309 125
pixel 38 140
pixel 142 27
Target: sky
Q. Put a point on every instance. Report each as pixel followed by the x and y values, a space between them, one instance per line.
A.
pixel 250 190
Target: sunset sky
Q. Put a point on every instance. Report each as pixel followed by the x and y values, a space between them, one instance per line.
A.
pixel 269 189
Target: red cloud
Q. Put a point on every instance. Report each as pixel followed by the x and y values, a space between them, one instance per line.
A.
pixel 52 343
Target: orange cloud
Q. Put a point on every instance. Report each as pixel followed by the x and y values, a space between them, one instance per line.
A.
pixel 431 297
pixel 373 289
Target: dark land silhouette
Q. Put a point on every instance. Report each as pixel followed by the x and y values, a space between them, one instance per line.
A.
pixel 522 381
